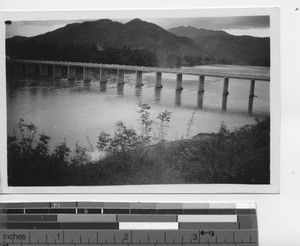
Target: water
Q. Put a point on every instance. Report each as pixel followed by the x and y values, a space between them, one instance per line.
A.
pixel 72 111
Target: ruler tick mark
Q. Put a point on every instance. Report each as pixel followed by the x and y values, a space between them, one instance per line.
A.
pixel 207 236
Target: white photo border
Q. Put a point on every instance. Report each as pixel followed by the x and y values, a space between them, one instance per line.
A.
pixel 273 187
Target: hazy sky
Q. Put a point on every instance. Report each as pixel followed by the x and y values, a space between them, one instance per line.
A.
pixel 241 25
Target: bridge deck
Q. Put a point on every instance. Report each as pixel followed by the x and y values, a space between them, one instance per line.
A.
pixel 187 71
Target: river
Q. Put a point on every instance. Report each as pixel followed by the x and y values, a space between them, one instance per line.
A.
pixel 72 111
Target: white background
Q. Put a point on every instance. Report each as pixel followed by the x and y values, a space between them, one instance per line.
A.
pixel 278 214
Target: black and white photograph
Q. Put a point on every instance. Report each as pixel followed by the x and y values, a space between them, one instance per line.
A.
pixel 140 100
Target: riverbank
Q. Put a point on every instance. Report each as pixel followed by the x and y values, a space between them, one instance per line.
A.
pixel 237 157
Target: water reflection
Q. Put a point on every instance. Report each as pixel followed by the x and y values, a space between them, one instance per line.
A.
pixel 103 87
pixel 120 89
pixel 200 100
pixel 178 97
pixel 82 112
pixel 71 83
pixel 87 85
pixel 138 92
pixel 157 94
pixel 34 90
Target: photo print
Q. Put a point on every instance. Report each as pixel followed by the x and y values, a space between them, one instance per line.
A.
pixel 142 99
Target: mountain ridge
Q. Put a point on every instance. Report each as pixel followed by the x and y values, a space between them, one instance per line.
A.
pixel 222 45
pixel 191 32
pixel 185 42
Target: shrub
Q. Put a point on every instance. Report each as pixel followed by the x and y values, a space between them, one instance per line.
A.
pixel 146 157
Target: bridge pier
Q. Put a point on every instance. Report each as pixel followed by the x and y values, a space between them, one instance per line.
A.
pixel 200 92
pixel 73 70
pixel 43 70
pixel 29 69
pixel 17 68
pixel 56 72
pixel 225 94
pixel 179 82
pixel 103 75
pixel 251 96
pixel 86 74
pixel 158 84
pixel 139 79
pixel 71 73
pixel 120 76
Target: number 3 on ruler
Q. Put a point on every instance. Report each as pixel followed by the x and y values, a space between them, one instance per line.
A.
pixel 195 236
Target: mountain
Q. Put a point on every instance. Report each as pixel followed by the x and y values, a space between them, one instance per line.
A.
pixel 136 34
pixel 224 46
pixel 192 32
pixel 140 42
pixel 18 39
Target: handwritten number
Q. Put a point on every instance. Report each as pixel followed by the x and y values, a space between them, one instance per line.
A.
pixel 210 233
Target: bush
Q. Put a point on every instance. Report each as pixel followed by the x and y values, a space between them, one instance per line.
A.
pixel 146 157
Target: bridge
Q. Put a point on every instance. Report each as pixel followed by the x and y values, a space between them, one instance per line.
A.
pixel 54 68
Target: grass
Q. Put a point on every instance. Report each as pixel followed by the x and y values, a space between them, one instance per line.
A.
pixel 238 157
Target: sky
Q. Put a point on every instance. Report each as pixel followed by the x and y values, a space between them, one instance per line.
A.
pixel 257 26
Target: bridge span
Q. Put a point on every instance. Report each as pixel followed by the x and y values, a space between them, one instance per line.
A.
pixel 54 68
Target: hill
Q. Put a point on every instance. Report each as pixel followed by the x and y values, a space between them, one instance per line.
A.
pixel 192 32
pixel 139 42
pixel 135 33
pixel 224 46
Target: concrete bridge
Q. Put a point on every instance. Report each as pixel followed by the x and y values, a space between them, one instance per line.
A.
pixel 54 69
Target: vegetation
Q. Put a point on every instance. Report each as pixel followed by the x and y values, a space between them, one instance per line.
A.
pixel 145 157
pixel 43 50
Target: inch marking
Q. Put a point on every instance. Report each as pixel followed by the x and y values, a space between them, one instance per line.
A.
pixel 210 235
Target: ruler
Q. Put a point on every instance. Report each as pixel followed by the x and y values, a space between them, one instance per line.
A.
pixel 116 223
